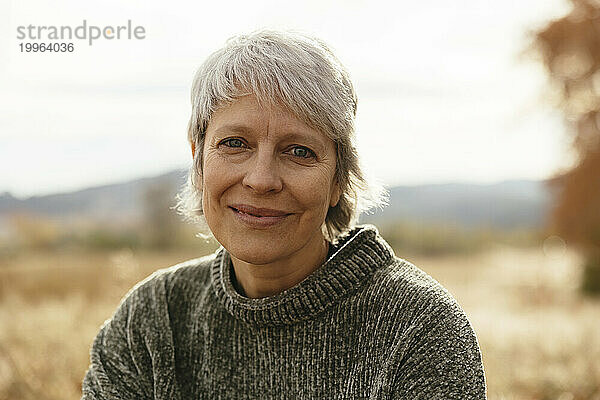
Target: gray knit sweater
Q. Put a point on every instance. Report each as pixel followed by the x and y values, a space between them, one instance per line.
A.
pixel 365 325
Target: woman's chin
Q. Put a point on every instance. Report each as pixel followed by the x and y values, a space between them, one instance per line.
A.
pixel 260 247
pixel 257 256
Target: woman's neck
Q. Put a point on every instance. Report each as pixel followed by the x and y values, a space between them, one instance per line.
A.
pixel 257 281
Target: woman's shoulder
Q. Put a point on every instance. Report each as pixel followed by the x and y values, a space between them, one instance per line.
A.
pixel 432 342
pixel 167 282
pixel 395 285
pixel 193 272
pixel 407 290
pixel 404 276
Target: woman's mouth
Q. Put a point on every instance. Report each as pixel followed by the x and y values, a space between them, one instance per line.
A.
pixel 256 217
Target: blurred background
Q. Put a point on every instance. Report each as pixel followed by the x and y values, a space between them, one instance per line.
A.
pixel 482 118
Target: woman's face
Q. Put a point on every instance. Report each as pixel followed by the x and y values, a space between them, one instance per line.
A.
pixel 268 181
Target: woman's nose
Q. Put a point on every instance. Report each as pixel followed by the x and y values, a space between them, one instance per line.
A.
pixel 262 174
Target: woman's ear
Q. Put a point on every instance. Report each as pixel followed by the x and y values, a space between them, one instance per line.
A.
pixel 336 192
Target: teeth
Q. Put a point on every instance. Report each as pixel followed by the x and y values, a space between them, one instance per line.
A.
pixel 242 212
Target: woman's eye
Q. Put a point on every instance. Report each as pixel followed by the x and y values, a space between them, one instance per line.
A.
pixel 234 143
pixel 303 152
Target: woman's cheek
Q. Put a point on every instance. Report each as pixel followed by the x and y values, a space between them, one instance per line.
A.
pixel 313 189
pixel 215 166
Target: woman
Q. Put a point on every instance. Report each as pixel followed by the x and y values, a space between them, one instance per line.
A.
pixel 298 302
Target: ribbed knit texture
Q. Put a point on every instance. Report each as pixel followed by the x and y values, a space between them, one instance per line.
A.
pixel 364 325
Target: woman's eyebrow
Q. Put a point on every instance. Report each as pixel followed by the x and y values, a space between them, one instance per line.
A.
pixel 237 128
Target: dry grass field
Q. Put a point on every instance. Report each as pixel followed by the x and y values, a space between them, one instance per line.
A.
pixel 539 338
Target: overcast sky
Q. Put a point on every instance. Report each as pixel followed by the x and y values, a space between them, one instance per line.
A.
pixel 444 95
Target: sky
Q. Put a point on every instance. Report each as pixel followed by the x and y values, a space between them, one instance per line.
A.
pixel 446 93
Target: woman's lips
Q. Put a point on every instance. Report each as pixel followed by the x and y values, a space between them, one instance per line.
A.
pixel 258 217
pixel 258 212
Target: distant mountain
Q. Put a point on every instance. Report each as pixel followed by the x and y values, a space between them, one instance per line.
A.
pixel 505 205
pixel 115 202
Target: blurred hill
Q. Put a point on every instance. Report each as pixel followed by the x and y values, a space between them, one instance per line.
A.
pixel 114 204
pixel 504 206
pixel 508 205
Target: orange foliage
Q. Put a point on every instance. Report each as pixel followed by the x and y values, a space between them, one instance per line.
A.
pixel 570 47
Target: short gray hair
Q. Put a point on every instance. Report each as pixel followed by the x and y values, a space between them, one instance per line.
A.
pixel 301 74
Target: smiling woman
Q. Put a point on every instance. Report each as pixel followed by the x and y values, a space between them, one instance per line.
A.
pixel 299 302
pixel 268 179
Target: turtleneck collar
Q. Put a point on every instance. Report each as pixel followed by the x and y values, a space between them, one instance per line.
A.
pixel 357 255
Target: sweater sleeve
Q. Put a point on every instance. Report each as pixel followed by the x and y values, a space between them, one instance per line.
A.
pixel 132 357
pixel 116 370
pixel 439 358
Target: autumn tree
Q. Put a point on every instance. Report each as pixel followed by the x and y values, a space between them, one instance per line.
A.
pixel 570 49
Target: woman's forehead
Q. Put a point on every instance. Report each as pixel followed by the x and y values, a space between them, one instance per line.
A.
pixel 248 106
pixel 247 115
